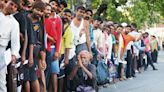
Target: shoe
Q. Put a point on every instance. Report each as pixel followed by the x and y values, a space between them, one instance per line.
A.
pixel 133 76
pixel 155 69
pixel 136 71
pixel 145 69
pixel 124 78
pixel 130 78
pixel 139 71
pixel 121 79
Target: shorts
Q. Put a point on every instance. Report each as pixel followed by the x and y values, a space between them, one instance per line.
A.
pixel 54 64
pixel 30 73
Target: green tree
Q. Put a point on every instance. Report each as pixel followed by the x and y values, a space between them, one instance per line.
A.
pixel 143 11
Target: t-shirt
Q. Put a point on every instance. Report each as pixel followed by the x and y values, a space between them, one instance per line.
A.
pixel 25 25
pixel 113 39
pixel 110 46
pixel 50 30
pixel 128 38
pixel 10 32
pixel 22 23
pixel 154 45
pixel 57 24
pixel 147 43
pixel 135 34
pixel 91 34
pixel 67 40
pixel 39 34
pixel 98 38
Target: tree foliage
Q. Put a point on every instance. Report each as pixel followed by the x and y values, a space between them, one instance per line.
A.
pixel 142 11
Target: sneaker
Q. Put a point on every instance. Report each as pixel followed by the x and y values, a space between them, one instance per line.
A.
pixel 136 71
pixel 130 78
pixel 124 78
pixel 133 76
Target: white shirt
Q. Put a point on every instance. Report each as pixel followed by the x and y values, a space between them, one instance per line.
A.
pixel 135 34
pixel 98 38
pixel 76 31
pixel 136 50
pixel 73 49
pixel 110 46
pixel 128 47
pixel 9 30
pixel 120 47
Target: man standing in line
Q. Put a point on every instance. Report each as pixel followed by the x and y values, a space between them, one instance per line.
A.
pixel 67 44
pixel 9 32
pixel 80 28
pixel 37 51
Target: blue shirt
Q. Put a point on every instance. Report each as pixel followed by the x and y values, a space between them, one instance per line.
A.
pixel 91 34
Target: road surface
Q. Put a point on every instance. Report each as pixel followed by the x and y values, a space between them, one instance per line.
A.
pixel 147 81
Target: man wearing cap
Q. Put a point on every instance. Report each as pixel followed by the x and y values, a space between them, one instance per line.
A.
pixel 9 32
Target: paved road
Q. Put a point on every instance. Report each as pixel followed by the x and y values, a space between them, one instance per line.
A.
pixel 148 81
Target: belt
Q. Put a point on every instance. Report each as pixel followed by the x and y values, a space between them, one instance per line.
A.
pixel 52 46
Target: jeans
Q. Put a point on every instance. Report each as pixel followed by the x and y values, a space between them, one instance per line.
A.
pixel 140 61
pixel 150 60
pixel 134 62
pixel 129 64
pixel 154 55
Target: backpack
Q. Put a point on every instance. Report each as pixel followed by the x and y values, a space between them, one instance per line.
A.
pixel 102 73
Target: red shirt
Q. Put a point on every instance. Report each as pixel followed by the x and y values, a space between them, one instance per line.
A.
pixel 51 32
pixel 116 35
pixel 57 25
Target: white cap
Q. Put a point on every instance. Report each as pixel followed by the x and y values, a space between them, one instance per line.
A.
pixel 124 24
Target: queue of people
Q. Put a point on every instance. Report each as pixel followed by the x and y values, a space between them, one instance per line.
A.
pixel 54 49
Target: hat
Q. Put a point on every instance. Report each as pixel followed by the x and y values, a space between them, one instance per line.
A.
pixel 124 24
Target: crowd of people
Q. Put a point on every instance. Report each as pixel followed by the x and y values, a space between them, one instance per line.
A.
pixel 54 49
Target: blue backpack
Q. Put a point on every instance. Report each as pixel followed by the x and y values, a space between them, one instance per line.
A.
pixel 102 73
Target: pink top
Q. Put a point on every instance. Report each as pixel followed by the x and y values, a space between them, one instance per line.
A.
pixel 147 43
